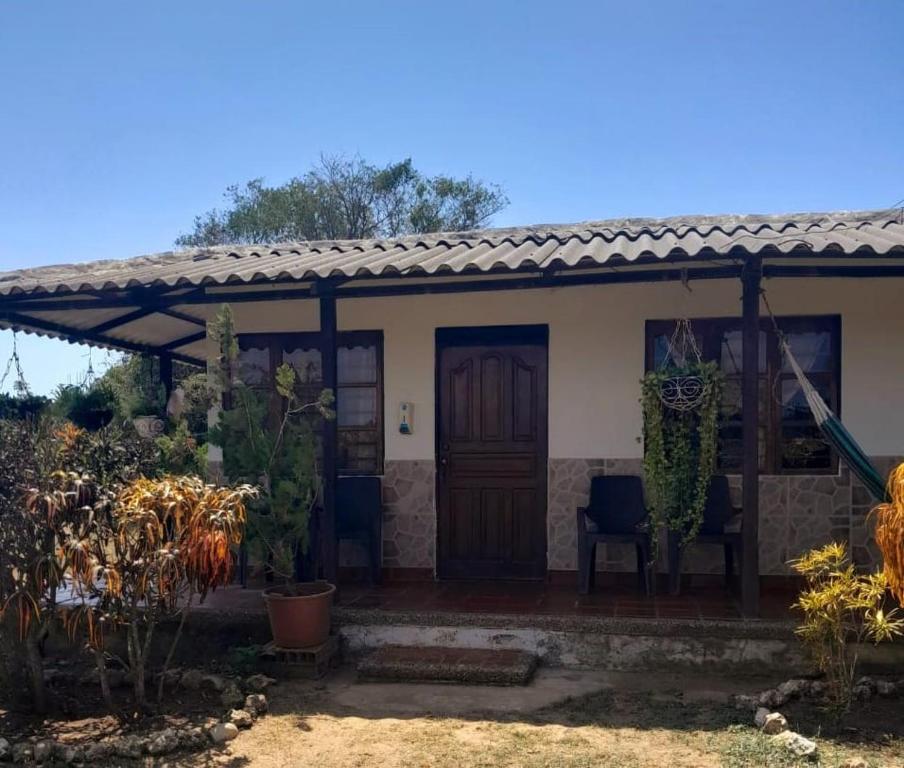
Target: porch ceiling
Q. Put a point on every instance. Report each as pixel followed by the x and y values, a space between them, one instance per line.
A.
pixel 157 303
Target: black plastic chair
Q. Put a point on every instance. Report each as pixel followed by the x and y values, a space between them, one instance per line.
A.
pixel 616 514
pixel 359 516
pixel 721 525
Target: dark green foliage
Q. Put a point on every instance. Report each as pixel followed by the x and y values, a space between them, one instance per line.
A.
pixel 135 383
pixel 22 406
pixel 344 198
pixel 271 444
pixel 680 449
pixel 180 453
pixel 91 407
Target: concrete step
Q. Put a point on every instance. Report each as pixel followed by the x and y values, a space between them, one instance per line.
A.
pixel 474 666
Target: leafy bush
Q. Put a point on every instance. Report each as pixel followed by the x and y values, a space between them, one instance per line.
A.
pixel 180 453
pixel 145 557
pixel 92 407
pixel 890 533
pixel 680 448
pixel 55 480
pixel 279 455
pixel 22 406
pixel 842 610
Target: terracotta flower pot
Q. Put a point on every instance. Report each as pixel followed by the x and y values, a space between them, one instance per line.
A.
pixel 300 614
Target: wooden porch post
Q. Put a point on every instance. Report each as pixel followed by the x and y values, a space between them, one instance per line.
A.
pixel 166 373
pixel 328 357
pixel 750 399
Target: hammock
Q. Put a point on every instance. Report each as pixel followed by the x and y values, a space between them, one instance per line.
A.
pixel 834 431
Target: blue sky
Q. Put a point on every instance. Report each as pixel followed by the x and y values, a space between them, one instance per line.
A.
pixel 121 121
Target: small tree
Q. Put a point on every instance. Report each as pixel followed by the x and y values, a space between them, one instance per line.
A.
pixel 347 198
pixel 842 610
pixel 278 452
pixel 162 542
pixel 30 568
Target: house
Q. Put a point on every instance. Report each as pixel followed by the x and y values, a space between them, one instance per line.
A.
pixel 516 355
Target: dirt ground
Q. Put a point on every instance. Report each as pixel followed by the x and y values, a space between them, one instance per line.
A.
pixel 565 719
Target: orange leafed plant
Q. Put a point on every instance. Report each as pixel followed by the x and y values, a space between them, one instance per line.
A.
pixel 890 533
pixel 163 541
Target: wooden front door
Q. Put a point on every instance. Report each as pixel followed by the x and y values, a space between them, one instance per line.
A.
pixel 492 457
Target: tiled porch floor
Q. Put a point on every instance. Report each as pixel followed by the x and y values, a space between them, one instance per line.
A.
pixel 707 601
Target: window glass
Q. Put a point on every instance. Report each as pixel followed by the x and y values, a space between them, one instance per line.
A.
pixel 357 407
pixel 789 440
pixel 306 363
pixel 357 365
pixel 812 350
pixel 732 354
pixel 254 366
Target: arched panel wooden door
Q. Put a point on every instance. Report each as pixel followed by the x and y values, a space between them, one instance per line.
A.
pixel 492 446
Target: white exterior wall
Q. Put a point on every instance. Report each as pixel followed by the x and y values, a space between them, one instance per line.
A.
pixel 596 351
pixel 596 361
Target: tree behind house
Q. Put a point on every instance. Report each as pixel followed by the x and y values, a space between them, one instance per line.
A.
pixel 345 198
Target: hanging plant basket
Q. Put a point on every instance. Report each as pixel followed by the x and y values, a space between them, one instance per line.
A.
pixel 682 393
pixel 681 402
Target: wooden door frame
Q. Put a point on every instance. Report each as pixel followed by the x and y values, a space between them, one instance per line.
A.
pixel 488 335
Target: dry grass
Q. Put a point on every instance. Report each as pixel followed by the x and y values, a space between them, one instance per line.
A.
pixel 618 730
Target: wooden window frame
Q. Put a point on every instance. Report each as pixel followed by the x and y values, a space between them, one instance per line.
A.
pixel 277 343
pixel 712 330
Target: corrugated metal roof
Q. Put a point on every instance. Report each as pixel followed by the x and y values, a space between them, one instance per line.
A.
pixel 542 247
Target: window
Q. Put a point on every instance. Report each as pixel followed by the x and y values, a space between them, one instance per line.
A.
pixel 790 442
pixel 359 395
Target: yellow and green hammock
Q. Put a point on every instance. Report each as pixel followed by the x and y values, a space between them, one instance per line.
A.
pixel 836 433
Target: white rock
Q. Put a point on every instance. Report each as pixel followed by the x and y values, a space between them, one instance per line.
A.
pixel 793 689
pixel 163 742
pixel 6 749
pixel 772 699
pixel 128 746
pixel 774 723
pixel 854 762
pixel 43 751
pixel 862 692
pixel 191 679
pixel 23 752
pixel 258 683
pixel 886 688
pixel 217 682
pixel 745 703
pixel 223 732
pixel 240 718
pixel 256 704
pixel 231 695
pixel 98 752
pixel 68 753
pixel 817 689
pixel 760 717
pixel 192 738
pixel 796 744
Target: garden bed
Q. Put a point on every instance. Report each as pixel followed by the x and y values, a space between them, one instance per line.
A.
pixel 199 710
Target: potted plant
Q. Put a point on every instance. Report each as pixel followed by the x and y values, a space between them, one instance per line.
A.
pixel 680 402
pixel 271 443
pixel 145 398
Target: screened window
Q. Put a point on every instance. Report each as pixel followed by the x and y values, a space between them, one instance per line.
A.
pixel 789 440
pixel 359 395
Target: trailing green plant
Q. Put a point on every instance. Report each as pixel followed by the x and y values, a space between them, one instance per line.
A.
pixel 680 448
pixel 268 440
pixel 88 407
pixel 842 610
pixel 180 452
pixel 22 406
